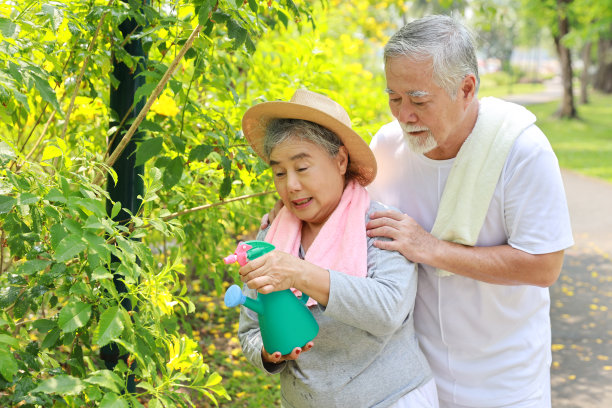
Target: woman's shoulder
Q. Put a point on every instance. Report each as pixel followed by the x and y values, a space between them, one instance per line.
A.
pixel 376 206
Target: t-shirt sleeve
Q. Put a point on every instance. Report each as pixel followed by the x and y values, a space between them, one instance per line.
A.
pixel 535 206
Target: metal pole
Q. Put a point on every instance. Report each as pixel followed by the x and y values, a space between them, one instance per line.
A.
pixel 129 182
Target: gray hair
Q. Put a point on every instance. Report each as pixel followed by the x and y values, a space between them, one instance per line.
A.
pixel 280 130
pixel 448 43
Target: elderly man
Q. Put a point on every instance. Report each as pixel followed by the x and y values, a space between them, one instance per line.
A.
pixel 483 212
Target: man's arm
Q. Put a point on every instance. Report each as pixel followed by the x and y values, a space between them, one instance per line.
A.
pixel 501 264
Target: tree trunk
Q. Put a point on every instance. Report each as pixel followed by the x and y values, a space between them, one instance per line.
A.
pixel 567 108
pixel 603 77
pixel 584 78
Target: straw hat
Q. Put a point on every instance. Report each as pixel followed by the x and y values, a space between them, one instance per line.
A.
pixel 317 108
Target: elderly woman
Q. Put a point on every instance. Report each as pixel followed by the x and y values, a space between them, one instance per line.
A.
pixel 366 353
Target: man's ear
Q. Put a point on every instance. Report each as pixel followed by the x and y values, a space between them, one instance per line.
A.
pixel 468 88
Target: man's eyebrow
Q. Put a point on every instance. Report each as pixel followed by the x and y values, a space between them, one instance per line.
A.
pixel 414 94
pixel 292 158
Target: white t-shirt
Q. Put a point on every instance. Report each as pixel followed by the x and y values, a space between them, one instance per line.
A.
pixel 488 345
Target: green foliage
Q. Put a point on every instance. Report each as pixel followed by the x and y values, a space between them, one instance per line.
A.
pixel 61 250
pixel 582 145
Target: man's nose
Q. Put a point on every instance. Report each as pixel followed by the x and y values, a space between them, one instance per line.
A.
pixel 405 113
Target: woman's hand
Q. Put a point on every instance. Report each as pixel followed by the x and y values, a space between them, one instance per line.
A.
pixel 272 272
pixel 276 357
pixel 278 270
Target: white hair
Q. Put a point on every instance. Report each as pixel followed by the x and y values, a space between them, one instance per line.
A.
pixel 446 42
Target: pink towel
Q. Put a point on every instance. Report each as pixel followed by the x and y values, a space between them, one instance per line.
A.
pixel 341 244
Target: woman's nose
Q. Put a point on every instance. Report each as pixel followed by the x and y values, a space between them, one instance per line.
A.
pixel 293 182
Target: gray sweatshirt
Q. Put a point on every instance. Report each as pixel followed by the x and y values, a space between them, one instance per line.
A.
pixel 366 353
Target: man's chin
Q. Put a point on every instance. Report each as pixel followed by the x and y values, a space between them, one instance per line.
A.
pixel 418 145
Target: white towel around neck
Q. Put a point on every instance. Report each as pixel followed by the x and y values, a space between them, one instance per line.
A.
pixel 476 171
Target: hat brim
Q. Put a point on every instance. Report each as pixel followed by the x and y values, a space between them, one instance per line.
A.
pixel 256 120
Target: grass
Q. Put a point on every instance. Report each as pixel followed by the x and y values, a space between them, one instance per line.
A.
pixel 585 144
pixel 503 90
pixel 500 84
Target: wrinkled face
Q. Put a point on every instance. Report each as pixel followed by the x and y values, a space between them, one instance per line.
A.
pixel 427 114
pixel 309 181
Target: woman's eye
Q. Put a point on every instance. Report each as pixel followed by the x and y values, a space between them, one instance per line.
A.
pixel 279 174
pixel 302 169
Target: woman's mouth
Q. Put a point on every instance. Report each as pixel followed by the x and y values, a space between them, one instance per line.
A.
pixel 302 202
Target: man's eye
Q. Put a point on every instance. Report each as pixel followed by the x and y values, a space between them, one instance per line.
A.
pixel 302 169
pixel 395 100
pixel 279 174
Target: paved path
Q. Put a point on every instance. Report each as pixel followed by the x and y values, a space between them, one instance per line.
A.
pixel 581 309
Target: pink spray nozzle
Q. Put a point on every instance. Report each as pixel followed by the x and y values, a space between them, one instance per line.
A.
pixel 230 259
pixel 240 255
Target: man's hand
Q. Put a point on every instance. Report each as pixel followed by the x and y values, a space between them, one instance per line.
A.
pixel 276 357
pixel 408 237
pixel 267 219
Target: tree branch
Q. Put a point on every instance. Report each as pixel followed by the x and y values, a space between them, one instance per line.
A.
pixel 156 92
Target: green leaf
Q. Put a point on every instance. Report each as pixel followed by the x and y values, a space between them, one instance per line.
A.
pixel 150 126
pixel 173 172
pixel 226 187
pixel 54 195
pixel 253 5
pixel 27 198
pixel 21 98
pixel 10 340
pixel 8 28
pixel 106 379
pixel 33 266
pixel 200 152
pixel 205 11
pixel 116 209
pixel 144 90
pixel 6 153
pixel 44 325
pixel 74 316
pixel 109 328
pixel 55 16
pixel 6 204
pixel 236 32
pixel 61 384
pixel 179 144
pixel 51 338
pixel 112 400
pixel 69 247
pixel 8 365
pixel 283 18
pixel 101 273
pixel 46 92
pixel 148 149
pixel 8 296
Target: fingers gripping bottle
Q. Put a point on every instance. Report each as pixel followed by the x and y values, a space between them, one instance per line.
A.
pixel 284 320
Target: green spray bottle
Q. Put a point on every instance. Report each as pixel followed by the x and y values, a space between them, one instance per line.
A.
pixel 284 320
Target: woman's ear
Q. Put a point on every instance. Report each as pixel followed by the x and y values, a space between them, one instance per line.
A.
pixel 342 160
